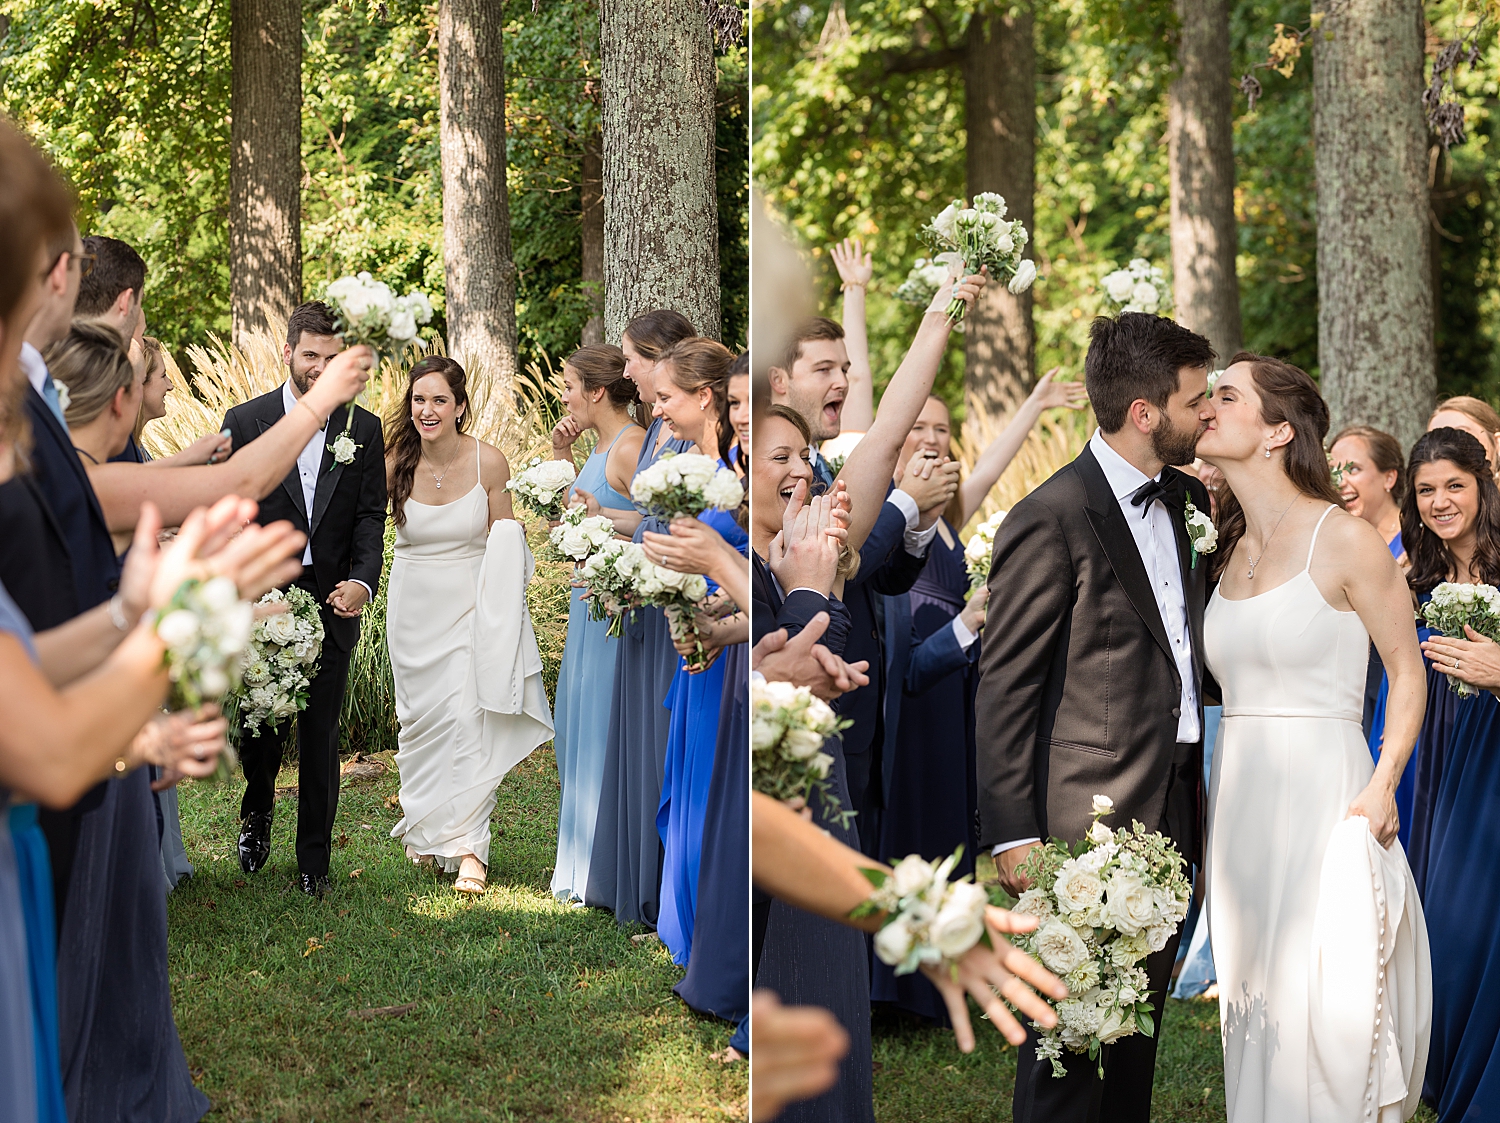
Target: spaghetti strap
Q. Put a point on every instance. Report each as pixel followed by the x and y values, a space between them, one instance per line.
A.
pixel 1313 545
pixel 477 480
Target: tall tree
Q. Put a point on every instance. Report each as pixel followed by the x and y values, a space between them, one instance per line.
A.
pixel 1375 299
pixel 591 192
pixel 265 162
pixel 479 275
pixel 661 238
pixel 999 69
pixel 1206 290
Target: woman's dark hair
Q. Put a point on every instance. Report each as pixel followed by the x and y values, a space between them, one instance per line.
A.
pixel 1287 395
pixel 1137 355
pixel 740 366
pixel 601 366
pixel 403 444
pixel 1432 562
pixel 1385 454
pixel 655 333
pixel 703 364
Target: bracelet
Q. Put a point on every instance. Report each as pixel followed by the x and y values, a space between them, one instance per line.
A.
pixel 321 421
pixel 847 285
pixel 117 613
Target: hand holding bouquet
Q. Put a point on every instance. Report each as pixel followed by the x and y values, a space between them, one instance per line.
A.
pixel 282 660
pixel 980 549
pixel 608 576
pixel 1454 606
pixel 1139 287
pixel 979 236
pixel 543 486
pixel 788 726
pixel 678 595
pixel 579 534
pixel 367 311
pixel 686 484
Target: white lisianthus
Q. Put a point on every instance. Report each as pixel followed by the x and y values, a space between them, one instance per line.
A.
pixel 946 221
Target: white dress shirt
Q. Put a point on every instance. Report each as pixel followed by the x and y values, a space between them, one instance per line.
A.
pixel 34 366
pixel 309 464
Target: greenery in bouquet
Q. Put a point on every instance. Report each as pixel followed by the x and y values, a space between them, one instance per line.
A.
pixel 282 660
pixel 929 920
pixel 788 725
pixel 1452 607
pixel 1139 287
pixel 544 485
pixel 686 484
pixel 578 534
pixel 927 276
pixel 1103 905
pixel 680 596
pixel 979 236
pixel 980 549
pixel 608 575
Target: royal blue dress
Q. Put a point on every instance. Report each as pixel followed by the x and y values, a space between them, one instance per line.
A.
pixel 581 715
pixel 1463 879
pixel 625 865
pixel 696 702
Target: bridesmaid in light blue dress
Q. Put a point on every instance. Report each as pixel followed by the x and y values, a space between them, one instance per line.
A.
pixel 598 396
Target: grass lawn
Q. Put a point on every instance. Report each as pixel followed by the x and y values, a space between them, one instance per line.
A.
pixel 396 999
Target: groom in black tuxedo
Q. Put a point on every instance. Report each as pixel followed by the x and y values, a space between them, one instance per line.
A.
pixel 342 508
pixel 1091 677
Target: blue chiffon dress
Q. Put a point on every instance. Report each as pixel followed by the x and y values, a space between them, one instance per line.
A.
pixel 625 865
pixel 581 715
pixel 1428 762
pixel 1463 1065
pixel 696 702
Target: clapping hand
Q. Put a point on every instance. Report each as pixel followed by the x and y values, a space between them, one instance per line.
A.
pixel 931 482
pixel 1059 395
pixel 805 555
pixel 217 541
pixel 805 661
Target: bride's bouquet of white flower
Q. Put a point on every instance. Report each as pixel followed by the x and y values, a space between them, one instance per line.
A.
pixel 1139 287
pixel 686 484
pixel 1452 607
pixel 543 486
pixel 980 235
pixel 282 660
pixel 980 548
pixel 788 725
pixel 608 574
pixel 1103 906
pixel 929 919
pixel 579 534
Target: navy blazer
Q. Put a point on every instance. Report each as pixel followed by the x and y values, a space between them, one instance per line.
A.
pixel 34 564
pixel 770 612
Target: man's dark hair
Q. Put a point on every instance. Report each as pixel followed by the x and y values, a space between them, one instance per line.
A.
pixel 313 318
pixel 117 267
pixel 817 328
pixel 1136 356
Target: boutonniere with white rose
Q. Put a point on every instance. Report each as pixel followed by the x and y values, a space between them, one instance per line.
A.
pixel 344 449
pixel 1202 533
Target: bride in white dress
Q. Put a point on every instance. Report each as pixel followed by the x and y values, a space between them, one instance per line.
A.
pixel 1324 978
pixel 468 675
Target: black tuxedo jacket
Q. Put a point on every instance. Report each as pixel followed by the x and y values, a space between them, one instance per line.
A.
pixel 1079 693
pixel 347 522
pixel 35 565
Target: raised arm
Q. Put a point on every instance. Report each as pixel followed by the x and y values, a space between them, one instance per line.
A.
pixel 1002 450
pixel 856 268
pixel 253 471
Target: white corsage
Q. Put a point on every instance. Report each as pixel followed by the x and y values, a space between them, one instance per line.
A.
pixel 1202 533
pixel 344 449
pixel 928 918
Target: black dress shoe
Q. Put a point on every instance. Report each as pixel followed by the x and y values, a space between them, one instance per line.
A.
pixel 255 840
pixel 314 884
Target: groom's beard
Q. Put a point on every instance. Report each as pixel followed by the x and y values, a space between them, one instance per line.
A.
pixel 1175 446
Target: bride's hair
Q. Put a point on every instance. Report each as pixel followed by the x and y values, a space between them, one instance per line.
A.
pixel 1431 561
pixel 403 444
pixel 1288 395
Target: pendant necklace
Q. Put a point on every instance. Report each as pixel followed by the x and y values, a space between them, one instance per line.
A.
pixel 437 479
pixel 1256 560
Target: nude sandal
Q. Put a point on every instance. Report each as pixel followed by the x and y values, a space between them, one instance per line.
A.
pixel 472 886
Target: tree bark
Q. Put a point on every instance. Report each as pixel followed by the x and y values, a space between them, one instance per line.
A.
pixel 1000 119
pixel 1205 288
pixel 1375 298
pixel 593 236
pixel 265 162
pixel 661 234
pixel 479 275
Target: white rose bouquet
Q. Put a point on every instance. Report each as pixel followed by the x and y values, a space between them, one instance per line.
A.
pixel 929 919
pixel 1103 906
pixel 579 534
pixel 788 725
pixel 543 486
pixel 1139 287
pixel 678 595
pixel 686 484
pixel 368 311
pixel 608 574
pixel 980 548
pixel 1452 606
pixel 927 276
pixel 980 235
pixel 282 660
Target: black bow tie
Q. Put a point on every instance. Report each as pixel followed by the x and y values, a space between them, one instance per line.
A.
pixel 1149 492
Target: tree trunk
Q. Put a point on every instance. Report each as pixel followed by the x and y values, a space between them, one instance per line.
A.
pixel 1375 299
pixel 1000 119
pixel 661 232
pixel 593 236
pixel 479 275
pixel 1205 288
pixel 265 162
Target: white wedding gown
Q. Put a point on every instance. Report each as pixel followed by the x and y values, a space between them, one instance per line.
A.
pixel 1325 984
pixel 469 694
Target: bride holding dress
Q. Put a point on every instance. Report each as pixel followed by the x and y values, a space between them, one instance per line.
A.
pixel 468 674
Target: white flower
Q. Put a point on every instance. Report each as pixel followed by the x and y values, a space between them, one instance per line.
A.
pixel 403 327
pixel 1129 905
pixel 946 222
pixel 421 307
pixel 64 398
pixel 1144 293
pixel 1103 805
pixel 280 629
pixel 960 921
pixel 178 628
pixel 1077 890
pixel 1118 285
pixel 344 449
pixel 219 594
pixel 990 203
pixel 1034 902
pixel 1099 834
pixel 1060 948
pixel 212 681
pixel 802 744
pixel 911 875
pixel 1114 1026
pixel 894 941
pixel 1025 275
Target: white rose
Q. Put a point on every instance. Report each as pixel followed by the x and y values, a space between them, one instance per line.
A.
pixel 1103 805
pixel 1025 275
pixel 1099 834
pixel 1114 1026
pixel 1118 285
pixel 911 875
pixel 575 543
pixel 1129 905
pixel 1034 902
pixel 281 629
pixel 213 682
pixel 696 587
pixel 946 222
pixel 178 628
pixel 1144 293
pixel 801 744
pixel 1466 594
pixel 1059 947
pixel 819 765
pixel 960 922
pixel 893 943
pixel 724 491
pixel 284 707
pixel 1076 889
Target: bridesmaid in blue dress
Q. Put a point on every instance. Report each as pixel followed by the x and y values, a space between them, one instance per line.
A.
pixel 625 865
pixel 597 396
pixel 1451 525
pixel 692 396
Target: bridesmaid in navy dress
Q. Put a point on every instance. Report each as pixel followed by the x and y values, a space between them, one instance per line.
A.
pixel 1451 525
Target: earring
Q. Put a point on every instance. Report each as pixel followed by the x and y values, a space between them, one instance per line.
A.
pixel 701 407
pixel 1268 452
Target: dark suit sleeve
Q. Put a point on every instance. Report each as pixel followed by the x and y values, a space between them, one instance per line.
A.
pixel 884 564
pixel 936 657
pixel 367 551
pixel 1031 593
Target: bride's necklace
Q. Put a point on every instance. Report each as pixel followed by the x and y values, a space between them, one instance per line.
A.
pixel 1255 561
pixel 437 479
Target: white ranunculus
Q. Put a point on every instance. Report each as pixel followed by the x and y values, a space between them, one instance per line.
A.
pixel 421 307
pixel 911 875
pixel 178 628
pixel 893 943
pixel 1129 904
pixel 1005 243
pixel 1059 947
pixel 946 222
pixel 1025 275
pixel 1118 285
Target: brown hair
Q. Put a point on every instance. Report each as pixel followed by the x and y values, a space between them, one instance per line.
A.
pixel 1478 411
pixel 312 318
pixel 1385 454
pixel 117 267
pixel 655 333
pixel 1431 560
pixel 403 444
pixel 703 364
pixel 817 328
pixel 1137 356
pixel 1287 395
pixel 151 348
pixel 92 361
pixel 35 209
pixel 601 366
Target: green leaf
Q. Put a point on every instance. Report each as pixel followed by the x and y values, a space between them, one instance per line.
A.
pixel 1145 1021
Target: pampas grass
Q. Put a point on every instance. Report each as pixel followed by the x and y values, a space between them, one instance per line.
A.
pixel 1054 442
